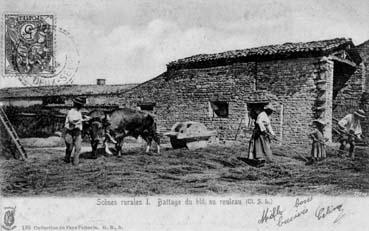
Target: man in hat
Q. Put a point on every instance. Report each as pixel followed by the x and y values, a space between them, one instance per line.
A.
pixel 73 133
pixel 263 133
pixel 351 130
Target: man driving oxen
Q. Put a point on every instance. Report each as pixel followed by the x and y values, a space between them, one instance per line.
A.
pixel 73 131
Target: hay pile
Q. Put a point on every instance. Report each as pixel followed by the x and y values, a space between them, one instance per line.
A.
pixel 215 169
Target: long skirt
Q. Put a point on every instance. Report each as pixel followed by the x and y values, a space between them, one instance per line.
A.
pixel 318 150
pixel 259 146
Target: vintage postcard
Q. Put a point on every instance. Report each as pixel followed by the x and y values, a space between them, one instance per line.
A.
pixel 184 115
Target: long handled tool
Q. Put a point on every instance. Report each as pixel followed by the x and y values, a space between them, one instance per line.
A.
pixel 278 140
pixel 238 129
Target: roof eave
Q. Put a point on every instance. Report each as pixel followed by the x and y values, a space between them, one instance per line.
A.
pixel 262 54
pixel 253 58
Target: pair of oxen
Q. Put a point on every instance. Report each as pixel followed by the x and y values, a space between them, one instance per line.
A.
pixel 114 126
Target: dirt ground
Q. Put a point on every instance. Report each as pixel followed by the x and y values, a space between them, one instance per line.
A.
pixel 213 170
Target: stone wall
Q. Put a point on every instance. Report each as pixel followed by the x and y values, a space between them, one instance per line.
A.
pixel 184 95
pixel 293 82
pixel 323 106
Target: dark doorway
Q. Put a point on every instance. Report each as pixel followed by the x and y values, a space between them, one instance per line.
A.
pixel 341 74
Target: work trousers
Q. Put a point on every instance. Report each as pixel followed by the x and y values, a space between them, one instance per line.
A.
pixel 73 139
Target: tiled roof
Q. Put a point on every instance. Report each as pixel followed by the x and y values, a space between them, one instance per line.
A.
pixel 64 90
pixel 272 51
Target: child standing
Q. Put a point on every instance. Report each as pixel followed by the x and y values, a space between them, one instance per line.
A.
pixel 318 151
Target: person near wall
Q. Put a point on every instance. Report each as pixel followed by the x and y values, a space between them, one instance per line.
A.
pixel 350 128
pixel 262 135
pixel 73 131
pixel 318 149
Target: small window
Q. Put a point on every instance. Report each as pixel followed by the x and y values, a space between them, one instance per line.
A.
pixel 218 109
pixel 53 100
pixel 146 106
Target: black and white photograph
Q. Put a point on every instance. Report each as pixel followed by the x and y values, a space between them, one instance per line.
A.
pixel 193 113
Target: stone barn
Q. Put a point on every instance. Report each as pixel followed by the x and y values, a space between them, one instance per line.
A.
pixel 319 79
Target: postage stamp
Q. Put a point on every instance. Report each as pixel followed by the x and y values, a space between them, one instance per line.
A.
pixel 29 44
pixel 36 51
